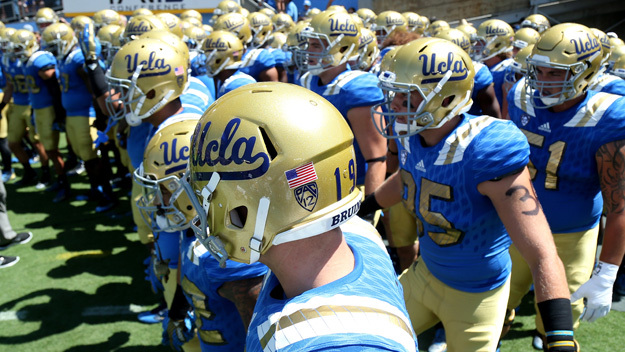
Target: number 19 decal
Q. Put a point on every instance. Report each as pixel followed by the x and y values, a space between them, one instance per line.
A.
pixel 351 173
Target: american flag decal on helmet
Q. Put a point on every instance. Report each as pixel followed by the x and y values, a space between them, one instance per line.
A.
pixel 301 175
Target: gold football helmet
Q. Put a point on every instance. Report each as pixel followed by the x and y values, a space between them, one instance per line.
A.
pixel 435 69
pixel 106 35
pixel 296 45
pixel 524 37
pixel 5 40
pixel 615 42
pixel 193 37
pixel 147 74
pixel 105 17
pixel 605 45
pixel 24 43
pixel 367 16
pixel 79 23
pixel 236 23
pixel 414 22
pixel 386 23
pixel 264 189
pixel 618 65
pixel 59 39
pixel 518 68
pixel 244 11
pixel 615 54
pixel 227 6
pixel 223 50
pixel 172 21
pixel 368 50
pixel 142 12
pixel 566 46
pixel 208 29
pixel 261 26
pixel 191 14
pixel 192 21
pixel 267 11
pixel 164 205
pixel 493 38
pixel 312 13
pixel 281 23
pixel 44 17
pixel 141 24
pixel 468 29
pixel 438 26
pixel 457 37
pixel 337 39
pixel 339 8
pixel 169 38
pixel 276 40
pixel 536 21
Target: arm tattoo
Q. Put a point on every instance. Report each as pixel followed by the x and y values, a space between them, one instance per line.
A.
pixel 611 167
pixel 243 293
pixel 524 198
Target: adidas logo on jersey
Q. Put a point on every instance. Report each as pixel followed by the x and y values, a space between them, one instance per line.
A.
pixel 420 166
pixel 545 127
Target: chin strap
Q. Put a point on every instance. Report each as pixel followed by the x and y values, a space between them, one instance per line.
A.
pixel 256 242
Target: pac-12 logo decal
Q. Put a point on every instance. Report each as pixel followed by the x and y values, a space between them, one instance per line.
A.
pixel 307 196
pixel 525 119
pixel 403 157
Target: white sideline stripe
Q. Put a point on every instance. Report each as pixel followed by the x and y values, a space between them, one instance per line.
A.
pixel 114 310
pixel 10 315
pixel 88 312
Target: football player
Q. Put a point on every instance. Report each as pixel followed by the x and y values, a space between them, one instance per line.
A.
pixel 328 49
pixel 45 98
pixel 555 110
pixel 223 299
pixel 258 63
pixel 484 97
pixel 224 52
pixel 465 178
pixel 493 48
pixel 18 114
pixel 283 193
pixel 605 81
pixel 59 39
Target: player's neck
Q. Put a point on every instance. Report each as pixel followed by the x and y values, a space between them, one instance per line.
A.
pixel 170 109
pixel 311 262
pixel 432 137
pixel 568 104
pixel 328 75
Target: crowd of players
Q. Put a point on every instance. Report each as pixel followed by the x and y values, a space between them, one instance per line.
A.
pixel 493 154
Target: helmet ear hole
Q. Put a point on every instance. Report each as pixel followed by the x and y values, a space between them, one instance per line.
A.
pixel 151 94
pixel 448 101
pixel 238 216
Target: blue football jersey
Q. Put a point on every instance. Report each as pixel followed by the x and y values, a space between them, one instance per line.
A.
pixel 219 324
pixel 364 310
pixel 350 89
pixel 499 72
pixel 37 90
pixel 167 247
pixel 238 79
pixel 483 78
pixel 463 242
pixel 563 147
pixel 279 55
pixel 76 98
pixel 14 72
pixel 197 95
pixel 256 61
pixel 608 83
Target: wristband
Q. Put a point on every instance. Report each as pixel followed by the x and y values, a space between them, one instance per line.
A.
pixel 375 160
pixel 96 79
pixel 558 321
pixel 369 205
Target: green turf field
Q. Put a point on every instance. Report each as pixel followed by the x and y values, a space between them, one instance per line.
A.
pixel 80 283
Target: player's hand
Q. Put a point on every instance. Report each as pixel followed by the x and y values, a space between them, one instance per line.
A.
pixel 597 291
pixel 177 333
pixel 88 45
